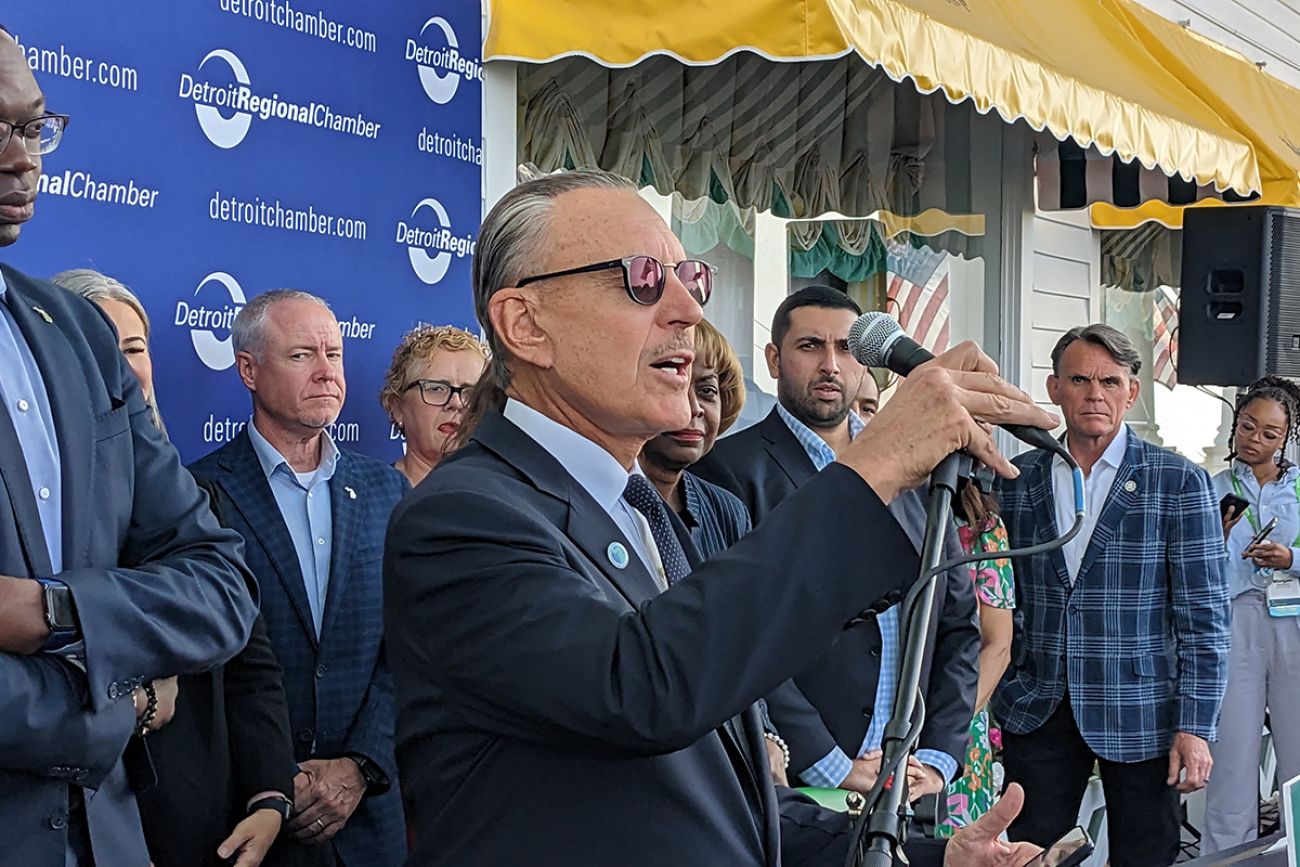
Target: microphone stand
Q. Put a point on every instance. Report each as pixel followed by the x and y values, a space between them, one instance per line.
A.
pixel 889 816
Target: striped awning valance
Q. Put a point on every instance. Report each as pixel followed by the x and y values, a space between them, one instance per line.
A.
pixel 1070 177
pixel 803 140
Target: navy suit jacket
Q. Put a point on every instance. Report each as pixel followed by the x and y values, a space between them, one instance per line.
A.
pixel 764 465
pixel 1140 637
pixel 160 588
pixel 339 689
pixel 556 709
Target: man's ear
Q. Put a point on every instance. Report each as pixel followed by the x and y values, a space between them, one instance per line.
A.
pixel 1053 385
pixel 246 365
pixel 513 316
pixel 773 356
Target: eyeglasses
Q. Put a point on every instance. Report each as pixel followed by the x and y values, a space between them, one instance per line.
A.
pixel 435 392
pixel 1267 436
pixel 40 135
pixel 644 277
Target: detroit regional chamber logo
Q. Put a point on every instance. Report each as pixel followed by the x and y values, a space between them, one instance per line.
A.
pixel 226 104
pixel 436 54
pixel 212 311
pixel 430 248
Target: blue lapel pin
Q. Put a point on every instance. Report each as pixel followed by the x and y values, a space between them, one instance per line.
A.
pixel 617 555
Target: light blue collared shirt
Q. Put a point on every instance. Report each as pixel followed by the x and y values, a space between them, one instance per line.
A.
pixel 23 390
pixel 832 770
pixel 1275 500
pixel 595 469
pixel 304 501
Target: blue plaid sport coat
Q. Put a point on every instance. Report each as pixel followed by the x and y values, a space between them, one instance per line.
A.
pixel 339 689
pixel 1140 639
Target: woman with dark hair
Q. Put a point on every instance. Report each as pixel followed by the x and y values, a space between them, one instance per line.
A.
pixel 1265 649
pixel 980 529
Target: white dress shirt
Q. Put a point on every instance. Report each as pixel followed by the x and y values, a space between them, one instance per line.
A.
pixel 1096 490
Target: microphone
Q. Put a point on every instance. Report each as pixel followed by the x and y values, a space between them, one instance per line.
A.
pixel 877 340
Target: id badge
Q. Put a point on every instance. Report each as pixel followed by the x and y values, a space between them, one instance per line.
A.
pixel 1284 595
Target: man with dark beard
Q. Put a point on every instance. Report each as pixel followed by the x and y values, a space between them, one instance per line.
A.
pixel 835 735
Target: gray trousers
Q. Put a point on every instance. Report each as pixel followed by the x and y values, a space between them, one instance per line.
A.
pixel 1263 672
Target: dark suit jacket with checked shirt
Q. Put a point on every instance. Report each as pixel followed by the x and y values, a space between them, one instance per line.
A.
pixel 1140 638
pixel 339 688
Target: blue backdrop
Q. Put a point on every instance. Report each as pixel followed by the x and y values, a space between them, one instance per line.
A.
pixel 221 148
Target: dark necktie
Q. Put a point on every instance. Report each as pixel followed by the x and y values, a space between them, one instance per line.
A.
pixel 642 496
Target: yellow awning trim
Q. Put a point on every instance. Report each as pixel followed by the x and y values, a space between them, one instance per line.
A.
pixel 1264 109
pixel 1078 73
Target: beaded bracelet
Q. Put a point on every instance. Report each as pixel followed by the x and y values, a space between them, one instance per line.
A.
pixel 150 708
pixel 781 744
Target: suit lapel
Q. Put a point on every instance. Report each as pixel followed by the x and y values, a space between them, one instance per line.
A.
pixel 250 493
pixel 588 525
pixel 347 508
pixel 1118 502
pixel 784 449
pixel 16 493
pixel 1043 499
pixel 66 387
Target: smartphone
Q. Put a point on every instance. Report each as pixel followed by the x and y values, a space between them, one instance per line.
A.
pixel 1069 851
pixel 1263 534
pixel 1232 503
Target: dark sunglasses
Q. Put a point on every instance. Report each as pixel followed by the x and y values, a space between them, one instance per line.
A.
pixel 644 277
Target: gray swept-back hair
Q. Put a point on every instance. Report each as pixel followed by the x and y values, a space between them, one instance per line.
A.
pixel 513 233
pixel 1113 341
pixel 246 335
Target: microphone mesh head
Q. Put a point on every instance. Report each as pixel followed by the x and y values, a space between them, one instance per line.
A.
pixel 871 336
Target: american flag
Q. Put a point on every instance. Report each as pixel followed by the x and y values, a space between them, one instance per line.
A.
pixel 918 293
pixel 1165 352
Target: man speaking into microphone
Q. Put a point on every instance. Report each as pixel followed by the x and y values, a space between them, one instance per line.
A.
pixel 575 687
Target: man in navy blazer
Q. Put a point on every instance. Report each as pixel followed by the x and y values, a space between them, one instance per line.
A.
pixel 134 579
pixel 575 687
pixel 313 516
pixel 834 719
pixel 1120 652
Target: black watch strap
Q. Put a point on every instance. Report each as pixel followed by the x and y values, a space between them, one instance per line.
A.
pixel 279 803
pixel 375 778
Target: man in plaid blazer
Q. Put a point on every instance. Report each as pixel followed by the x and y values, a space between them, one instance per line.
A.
pixel 313 519
pixel 1120 657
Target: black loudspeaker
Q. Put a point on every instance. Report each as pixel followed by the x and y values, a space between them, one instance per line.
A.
pixel 1239 315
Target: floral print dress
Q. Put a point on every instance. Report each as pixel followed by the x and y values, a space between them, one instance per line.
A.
pixel 972 794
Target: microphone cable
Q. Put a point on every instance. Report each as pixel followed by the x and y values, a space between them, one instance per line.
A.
pixel 857 848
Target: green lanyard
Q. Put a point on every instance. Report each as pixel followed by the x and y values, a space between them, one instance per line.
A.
pixel 1250 514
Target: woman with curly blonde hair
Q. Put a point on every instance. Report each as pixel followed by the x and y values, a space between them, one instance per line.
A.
pixel 425 390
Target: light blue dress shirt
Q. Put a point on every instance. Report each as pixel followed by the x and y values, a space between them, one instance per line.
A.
pixel 832 770
pixel 23 390
pixel 304 501
pixel 595 469
pixel 1275 500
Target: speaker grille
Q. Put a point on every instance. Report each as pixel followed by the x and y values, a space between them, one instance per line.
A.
pixel 1282 243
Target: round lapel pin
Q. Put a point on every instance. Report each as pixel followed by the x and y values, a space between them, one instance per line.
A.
pixel 617 555
pixel 1130 486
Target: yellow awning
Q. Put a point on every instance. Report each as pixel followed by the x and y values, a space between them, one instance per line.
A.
pixel 1077 72
pixel 1265 110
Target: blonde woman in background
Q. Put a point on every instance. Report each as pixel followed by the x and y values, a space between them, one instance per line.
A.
pixel 425 392
pixel 122 306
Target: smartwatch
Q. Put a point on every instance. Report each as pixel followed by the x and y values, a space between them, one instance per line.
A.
pixel 375 779
pixel 279 803
pixel 60 613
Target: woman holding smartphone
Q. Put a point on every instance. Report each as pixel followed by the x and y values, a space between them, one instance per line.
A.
pixel 1264 662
